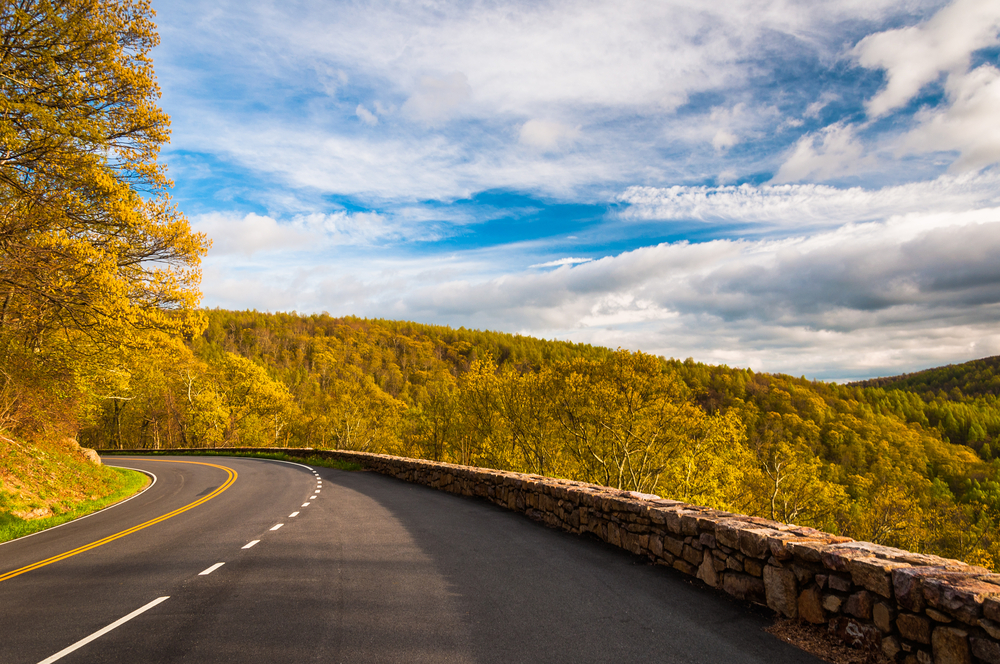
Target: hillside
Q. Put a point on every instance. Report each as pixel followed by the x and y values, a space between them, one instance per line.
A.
pixel 49 481
pixel 874 463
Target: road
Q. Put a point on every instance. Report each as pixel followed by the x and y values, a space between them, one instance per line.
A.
pixel 363 568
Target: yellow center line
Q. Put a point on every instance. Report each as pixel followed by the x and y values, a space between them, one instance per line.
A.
pixel 93 545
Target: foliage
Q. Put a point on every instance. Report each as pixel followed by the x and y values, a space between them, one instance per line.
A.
pixel 854 460
pixel 93 257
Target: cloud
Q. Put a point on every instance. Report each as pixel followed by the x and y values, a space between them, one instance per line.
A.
pixel 917 55
pixel 562 261
pixel 366 116
pixel 797 206
pixel 548 136
pixel 831 152
pixel 250 234
pixel 969 125
pixel 437 98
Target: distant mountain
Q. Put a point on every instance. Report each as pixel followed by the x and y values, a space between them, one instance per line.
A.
pixel 975 378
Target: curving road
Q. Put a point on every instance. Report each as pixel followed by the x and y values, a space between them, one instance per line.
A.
pixel 363 568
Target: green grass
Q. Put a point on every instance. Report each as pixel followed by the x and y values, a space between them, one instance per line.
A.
pixel 129 483
pixel 280 456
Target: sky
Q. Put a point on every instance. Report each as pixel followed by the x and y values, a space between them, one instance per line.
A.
pixel 797 187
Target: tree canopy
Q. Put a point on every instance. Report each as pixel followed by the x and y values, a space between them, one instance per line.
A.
pixel 93 255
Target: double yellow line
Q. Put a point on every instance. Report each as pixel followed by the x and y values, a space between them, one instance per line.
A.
pixel 111 538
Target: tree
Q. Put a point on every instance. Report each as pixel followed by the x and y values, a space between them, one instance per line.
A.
pixel 91 249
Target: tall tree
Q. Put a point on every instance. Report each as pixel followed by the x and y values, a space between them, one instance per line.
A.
pixel 92 253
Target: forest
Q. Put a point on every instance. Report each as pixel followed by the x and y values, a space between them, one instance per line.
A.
pixel 902 461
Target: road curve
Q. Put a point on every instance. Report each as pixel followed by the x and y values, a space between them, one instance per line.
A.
pixel 370 569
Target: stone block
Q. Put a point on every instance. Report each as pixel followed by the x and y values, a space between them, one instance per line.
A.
pixel 733 563
pixel 811 606
pixel 752 566
pixel 684 566
pixel 960 595
pixel 907 588
pixel 782 591
pixel 708 573
pixel 674 546
pixel 832 603
pixel 821 580
pixel 992 628
pixel 802 573
pixel 707 540
pixel 874 574
pixel 809 551
pixel 937 616
pixel 914 627
pixel 991 608
pixel 656 545
pixel 951 646
pixel 883 615
pixel 890 647
pixel 692 555
pixel 753 542
pixel 855 633
pixel 860 605
pixel 985 649
pixel 742 586
pixel 727 532
pixel 839 583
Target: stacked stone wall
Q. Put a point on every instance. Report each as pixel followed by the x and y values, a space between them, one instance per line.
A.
pixel 915 608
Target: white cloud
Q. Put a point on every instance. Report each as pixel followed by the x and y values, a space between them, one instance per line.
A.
pixel 724 139
pixel 797 206
pixel 548 136
pixel 970 125
pixel 831 152
pixel 562 261
pixel 917 55
pixel 366 116
pixel 252 233
pixel 437 98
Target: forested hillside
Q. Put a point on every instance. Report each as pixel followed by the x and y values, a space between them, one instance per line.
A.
pixel 874 463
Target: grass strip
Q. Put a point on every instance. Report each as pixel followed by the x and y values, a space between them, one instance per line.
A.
pixel 280 456
pixel 129 483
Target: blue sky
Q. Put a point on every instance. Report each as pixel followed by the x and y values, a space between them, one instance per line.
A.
pixel 811 188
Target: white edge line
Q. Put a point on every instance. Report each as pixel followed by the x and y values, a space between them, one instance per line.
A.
pixel 280 461
pixel 103 509
pixel 250 544
pixel 101 632
pixel 277 526
pixel 211 569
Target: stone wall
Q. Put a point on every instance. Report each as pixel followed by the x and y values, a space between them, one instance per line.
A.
pixel 915 608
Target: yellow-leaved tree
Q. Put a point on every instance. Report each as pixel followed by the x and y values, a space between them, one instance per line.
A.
pixel 93 255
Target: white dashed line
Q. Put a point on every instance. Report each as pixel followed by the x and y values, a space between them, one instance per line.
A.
pixel 211 569
pixel 313 497
pixel 277 526
pixel 101 632
pixel 250 544
pixel 305 504
pixel 293 515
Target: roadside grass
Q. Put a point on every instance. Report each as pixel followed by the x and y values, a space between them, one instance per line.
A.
pixel 126 483
pixel 280 456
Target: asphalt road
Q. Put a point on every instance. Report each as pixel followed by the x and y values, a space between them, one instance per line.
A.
pixel 364 568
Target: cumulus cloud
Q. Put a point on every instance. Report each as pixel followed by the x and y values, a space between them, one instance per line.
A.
pixel 969 125
pixel 833 151
pixel 914 56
